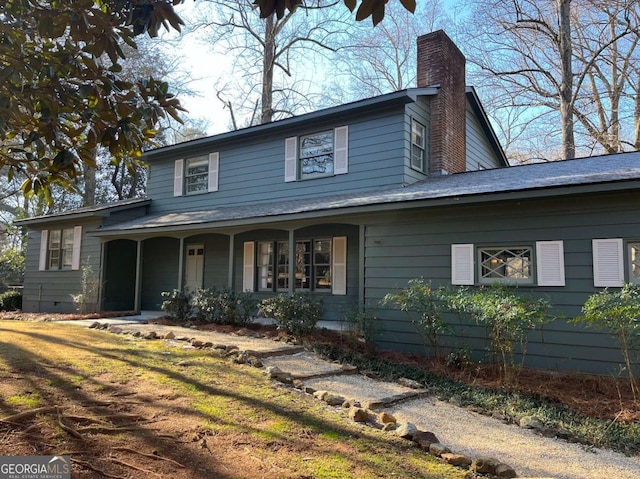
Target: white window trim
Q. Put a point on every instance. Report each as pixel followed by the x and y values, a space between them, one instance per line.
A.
pixel 608 262
pixel 550 263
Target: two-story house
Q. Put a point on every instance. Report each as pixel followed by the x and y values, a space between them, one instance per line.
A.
pixel 352 202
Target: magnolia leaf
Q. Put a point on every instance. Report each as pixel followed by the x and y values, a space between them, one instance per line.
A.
pixel 410 5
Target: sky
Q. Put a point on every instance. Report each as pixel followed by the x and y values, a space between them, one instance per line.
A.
pixel 205 68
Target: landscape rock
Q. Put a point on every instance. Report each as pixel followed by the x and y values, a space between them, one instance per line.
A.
pixel 170 335
pixel 437 449
pixel 94 325
pixel 309 389
pixel 150 335
pixel 321 394
pixel 485 465
pixel 406 430
pixel 334 399
pixel 504 471
pixel 196 343
pixel 424 439
pixel 459 460
pixel 390 426
pixel 530 422
pixel 358 414
pixel 410 383
pixel 385 418
pixel 115 329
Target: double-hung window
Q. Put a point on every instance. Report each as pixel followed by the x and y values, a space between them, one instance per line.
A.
pixel 313 265
pixel 60 249
pixel 198 174
pixel 273 256
pixel 417 145
pixel 316 155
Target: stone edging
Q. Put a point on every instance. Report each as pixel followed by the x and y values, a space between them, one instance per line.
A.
pixel 359 413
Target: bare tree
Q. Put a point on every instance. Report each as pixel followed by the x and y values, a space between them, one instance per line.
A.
pixel 382 60
pixel 558 59
pixel 265 52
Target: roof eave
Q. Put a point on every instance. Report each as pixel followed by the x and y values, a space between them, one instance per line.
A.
pixel 399 98
pixel 71 215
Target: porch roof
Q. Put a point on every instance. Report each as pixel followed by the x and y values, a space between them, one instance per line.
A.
pixel 617 172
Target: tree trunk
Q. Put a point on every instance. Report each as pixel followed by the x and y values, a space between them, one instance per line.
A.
pixel 268 63
pixel 566 86
pixel 89 176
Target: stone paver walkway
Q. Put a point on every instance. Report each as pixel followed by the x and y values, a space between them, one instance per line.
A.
pixel 465 432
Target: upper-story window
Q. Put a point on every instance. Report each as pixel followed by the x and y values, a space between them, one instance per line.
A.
pixel 198 174
pixel 316 155
pixel 417 145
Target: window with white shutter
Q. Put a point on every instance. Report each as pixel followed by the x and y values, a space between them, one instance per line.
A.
pixel 178 175
pixel 608 266
pixel 462 272
pixel 248 270
pixel 339 267
pixel 550 263
pixel 214 168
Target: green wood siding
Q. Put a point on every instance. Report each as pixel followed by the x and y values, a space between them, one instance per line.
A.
pixel 51 291
pixel 480 155
pixel 159 270
pixel 253 172
pixel 401 246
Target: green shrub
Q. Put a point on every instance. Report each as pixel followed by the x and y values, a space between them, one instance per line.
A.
pixel 363 325
pixel 177 304
pixel 12 263
pixel 11 300
pixel 425 307
pixel 506 316
pixel 86 301
pixel 224 306
pixel 296 313
pixel 618 312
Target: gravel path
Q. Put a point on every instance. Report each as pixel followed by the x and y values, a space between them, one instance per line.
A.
pixel 531 455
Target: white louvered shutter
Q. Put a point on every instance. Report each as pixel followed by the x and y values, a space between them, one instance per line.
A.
pixel 291 159
pixel 214 164
pixel 341 150
pixel 75 253
pixel 178 176
pixel 608 266
pixel 248 266
pixel 44 245
pixel 550 263
pixel 339 266
pixel 462 264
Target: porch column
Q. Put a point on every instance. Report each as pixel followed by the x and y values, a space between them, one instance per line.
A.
pixel 101 274
pixel 180 263
pixel 361 269
pixel 292 260
pixel 231 275
pixel 137 301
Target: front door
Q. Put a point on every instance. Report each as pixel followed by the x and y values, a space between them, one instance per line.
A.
pixel 194 267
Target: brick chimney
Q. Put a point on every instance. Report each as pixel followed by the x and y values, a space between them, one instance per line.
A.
pixel 440 63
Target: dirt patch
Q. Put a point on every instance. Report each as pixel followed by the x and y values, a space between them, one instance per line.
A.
pixel 124 407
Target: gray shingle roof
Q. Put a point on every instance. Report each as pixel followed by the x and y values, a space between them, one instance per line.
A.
pixel 599 172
